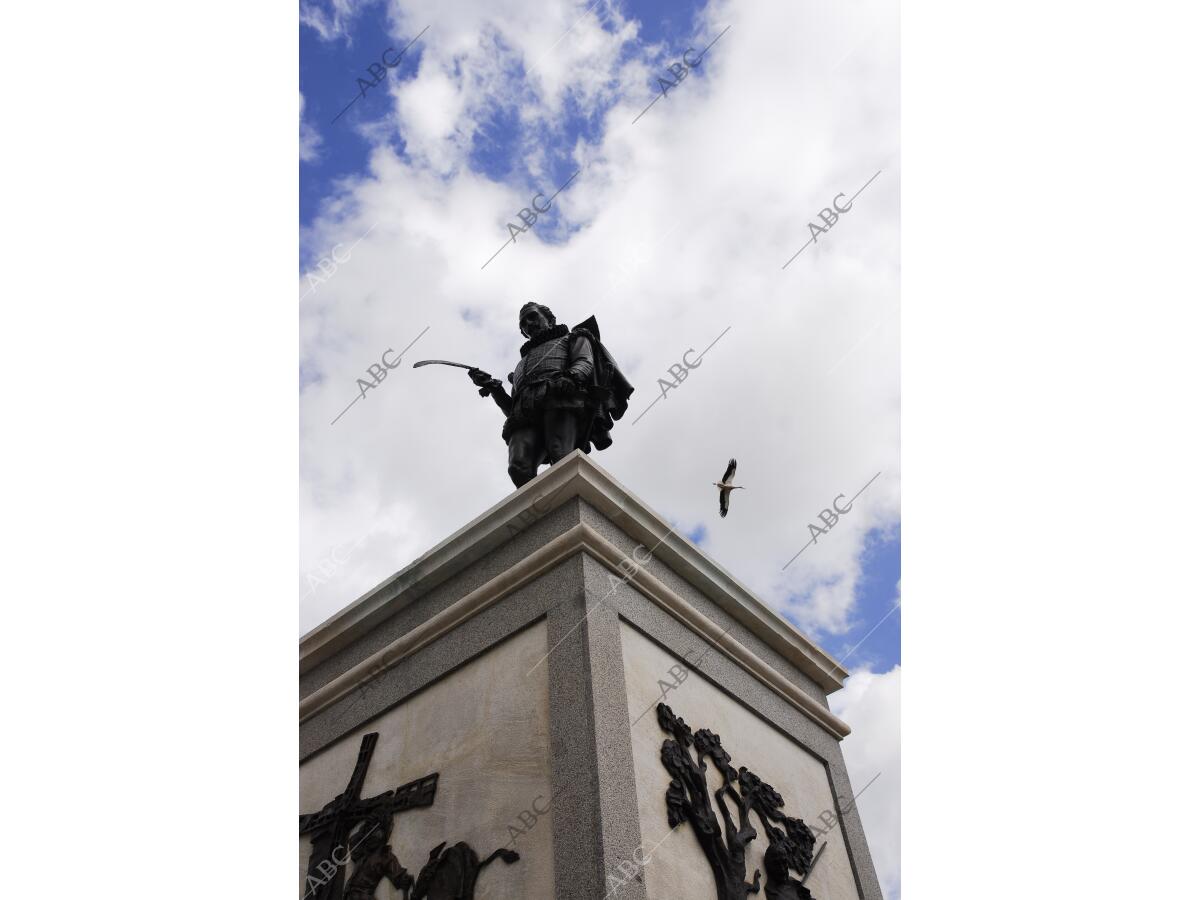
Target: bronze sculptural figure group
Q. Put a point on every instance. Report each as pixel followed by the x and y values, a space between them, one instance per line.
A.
pixel 351 854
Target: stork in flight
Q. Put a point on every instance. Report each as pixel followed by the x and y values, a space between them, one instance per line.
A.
pixel 727 486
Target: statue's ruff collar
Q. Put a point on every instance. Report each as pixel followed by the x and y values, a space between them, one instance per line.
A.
pixel 554 331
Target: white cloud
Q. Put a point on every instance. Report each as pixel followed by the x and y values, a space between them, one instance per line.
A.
pixel 684 222
pixel 310 139
pixel 330 23
pixel 870 704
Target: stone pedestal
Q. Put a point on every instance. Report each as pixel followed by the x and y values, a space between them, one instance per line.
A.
pixel 523 660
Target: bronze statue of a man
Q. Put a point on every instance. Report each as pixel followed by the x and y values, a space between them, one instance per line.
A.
pixel 566 392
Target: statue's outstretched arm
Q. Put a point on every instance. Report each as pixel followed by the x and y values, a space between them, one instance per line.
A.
pixel 491 387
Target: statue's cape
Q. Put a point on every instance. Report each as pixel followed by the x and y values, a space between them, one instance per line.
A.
pixel 607 395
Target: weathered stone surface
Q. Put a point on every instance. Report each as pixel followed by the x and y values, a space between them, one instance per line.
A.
pixel 486 730
pixel 678 867
pixel 514 657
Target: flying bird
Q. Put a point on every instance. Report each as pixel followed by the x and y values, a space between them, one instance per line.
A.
pixel 726 486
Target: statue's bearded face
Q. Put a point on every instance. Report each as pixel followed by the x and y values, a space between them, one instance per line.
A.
pixel 533 322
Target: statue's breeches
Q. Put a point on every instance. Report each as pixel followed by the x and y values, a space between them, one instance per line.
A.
pixel 531 404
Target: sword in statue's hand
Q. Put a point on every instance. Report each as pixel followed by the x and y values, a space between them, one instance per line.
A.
pixel 485 382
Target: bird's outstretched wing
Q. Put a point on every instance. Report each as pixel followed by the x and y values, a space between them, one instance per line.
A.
pixel 730 471
pixel 725 502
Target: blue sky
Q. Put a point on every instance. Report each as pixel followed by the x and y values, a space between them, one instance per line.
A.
pixel 329 73
pixel 329 80
pixel 874 641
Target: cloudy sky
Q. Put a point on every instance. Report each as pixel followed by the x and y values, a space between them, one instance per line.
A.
pixel 673 230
